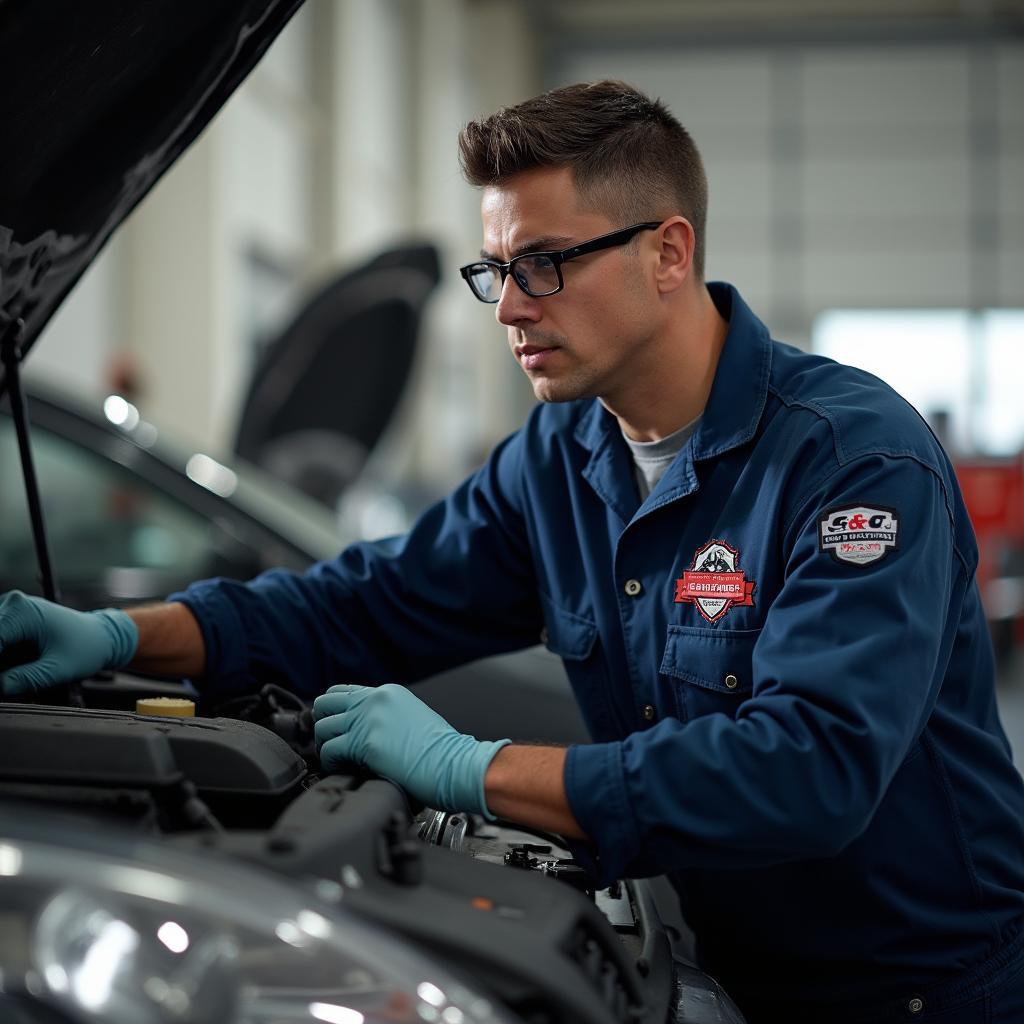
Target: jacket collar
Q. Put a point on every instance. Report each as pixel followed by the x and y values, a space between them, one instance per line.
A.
pixel 740 388
pixel 738 392
pixel 737 400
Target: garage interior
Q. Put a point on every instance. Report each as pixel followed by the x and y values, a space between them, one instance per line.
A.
pixel 867 169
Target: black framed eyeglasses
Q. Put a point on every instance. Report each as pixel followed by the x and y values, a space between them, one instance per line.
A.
pixel 540 273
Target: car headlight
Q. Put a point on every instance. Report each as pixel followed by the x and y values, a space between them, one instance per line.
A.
pixel 140 934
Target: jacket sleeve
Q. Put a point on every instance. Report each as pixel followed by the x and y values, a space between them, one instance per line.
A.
pixel 846 672
pixel 460 585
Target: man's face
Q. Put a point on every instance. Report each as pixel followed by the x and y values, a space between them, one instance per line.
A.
pixel 582 341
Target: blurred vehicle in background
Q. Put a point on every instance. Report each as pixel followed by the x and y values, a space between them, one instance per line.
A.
pixel 327 386
pixel 132 516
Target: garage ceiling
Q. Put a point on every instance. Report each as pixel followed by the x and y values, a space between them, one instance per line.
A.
pixel 600 20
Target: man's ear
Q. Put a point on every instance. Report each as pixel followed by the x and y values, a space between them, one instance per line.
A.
pixel 675 257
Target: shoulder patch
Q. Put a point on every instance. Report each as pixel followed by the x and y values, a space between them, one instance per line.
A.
pixel 858 534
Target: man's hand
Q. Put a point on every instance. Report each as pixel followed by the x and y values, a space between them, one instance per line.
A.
pixel 65 644
pixel 393 733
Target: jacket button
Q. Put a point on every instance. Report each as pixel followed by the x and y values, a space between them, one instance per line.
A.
pixel 633 587
pixel 915 1005
pixel 731 681
pixel 648 712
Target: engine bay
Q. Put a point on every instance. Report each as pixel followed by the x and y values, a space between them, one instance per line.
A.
pixel 510 909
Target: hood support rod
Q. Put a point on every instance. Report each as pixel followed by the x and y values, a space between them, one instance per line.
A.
pixel 10 356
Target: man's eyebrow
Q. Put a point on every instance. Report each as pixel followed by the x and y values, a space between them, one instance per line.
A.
pixel 546 244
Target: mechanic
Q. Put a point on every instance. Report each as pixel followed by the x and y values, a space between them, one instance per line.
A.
pixel 755 563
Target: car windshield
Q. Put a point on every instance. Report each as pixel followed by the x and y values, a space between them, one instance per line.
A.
pixel 116 536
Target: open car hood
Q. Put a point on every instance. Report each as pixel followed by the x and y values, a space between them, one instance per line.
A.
pixel 98 101
pixel 308 418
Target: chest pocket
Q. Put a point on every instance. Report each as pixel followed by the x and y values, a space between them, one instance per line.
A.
pixel 569 636
pixel 711 669
pixel 575 640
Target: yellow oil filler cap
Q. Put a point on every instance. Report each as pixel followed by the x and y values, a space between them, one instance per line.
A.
pixel 168 707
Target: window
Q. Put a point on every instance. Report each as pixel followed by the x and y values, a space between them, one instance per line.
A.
pixel 961 370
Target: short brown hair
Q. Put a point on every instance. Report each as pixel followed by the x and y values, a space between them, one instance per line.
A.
pixel 629 156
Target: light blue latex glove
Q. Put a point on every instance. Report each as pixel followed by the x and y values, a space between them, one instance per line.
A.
pixel 69 645
pixel 393 733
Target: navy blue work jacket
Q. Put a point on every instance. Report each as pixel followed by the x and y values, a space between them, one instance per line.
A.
pixel 780 654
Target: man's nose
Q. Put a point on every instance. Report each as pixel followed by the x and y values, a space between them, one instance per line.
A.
pixel 515 306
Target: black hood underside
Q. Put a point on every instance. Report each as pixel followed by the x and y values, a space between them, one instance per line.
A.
pixel 98 100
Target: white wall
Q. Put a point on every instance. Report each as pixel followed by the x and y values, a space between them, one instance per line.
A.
pixel 241 195
pixel 74 350
pixel 472 58
pixel 848 175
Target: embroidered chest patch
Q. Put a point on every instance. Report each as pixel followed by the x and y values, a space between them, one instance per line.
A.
pixel 858 534
pixel 714 582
